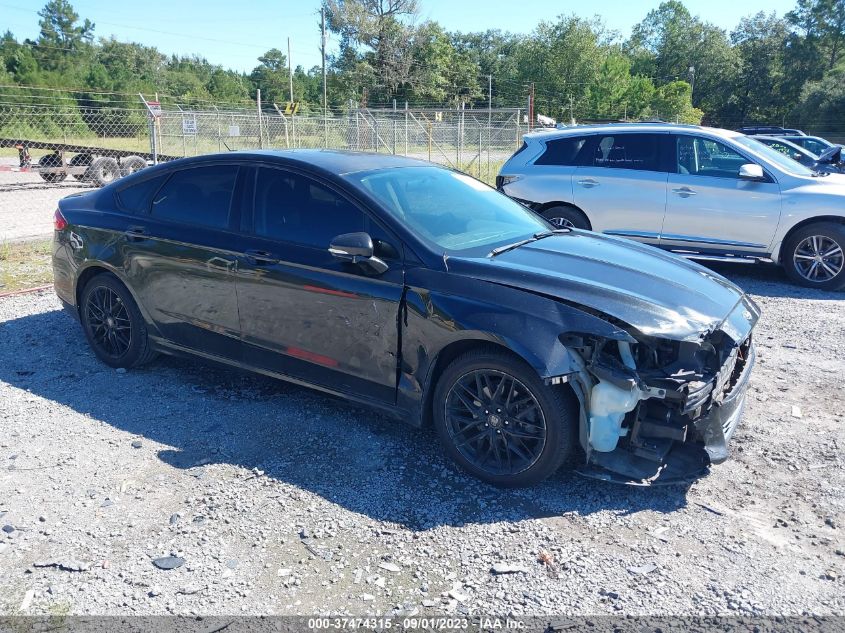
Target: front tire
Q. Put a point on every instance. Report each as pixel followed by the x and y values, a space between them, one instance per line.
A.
pixel 814 256
pixel 566 217
pixel 498 420
pixel 113 324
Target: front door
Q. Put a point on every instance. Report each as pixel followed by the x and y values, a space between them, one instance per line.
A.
pixel 303 312
pixel 180 261
pixel 622 186
pixel 710 208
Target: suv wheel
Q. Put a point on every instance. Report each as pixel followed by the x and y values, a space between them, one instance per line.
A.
pixel 566 217
pixel 500 422
pixel 814 256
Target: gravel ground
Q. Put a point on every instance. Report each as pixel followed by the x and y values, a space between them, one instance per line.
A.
pixel 279 500
pixel 27 202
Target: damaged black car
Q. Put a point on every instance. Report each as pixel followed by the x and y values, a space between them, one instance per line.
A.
pixel 422 292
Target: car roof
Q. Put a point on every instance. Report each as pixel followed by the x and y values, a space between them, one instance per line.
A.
pixel 609 128
pixel 333 161
pixel 779 139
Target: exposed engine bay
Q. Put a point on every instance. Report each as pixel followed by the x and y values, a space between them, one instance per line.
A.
pixel 659 410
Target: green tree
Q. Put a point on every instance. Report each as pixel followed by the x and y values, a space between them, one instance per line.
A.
pixel 821 23
pixel 760 42
pixel 671 44
pixel 61 34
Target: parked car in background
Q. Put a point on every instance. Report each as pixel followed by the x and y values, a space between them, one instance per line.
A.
pixel 769 129
pixel 803 156
pixel 423 292
pixel 701 192
pixel 815 144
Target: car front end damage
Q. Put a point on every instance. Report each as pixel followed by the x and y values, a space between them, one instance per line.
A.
pixel 661 410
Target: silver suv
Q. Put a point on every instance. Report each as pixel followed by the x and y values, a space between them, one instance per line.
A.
pixel 701 192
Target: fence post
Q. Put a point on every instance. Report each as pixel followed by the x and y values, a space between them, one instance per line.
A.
pixel 394 137
pixel 219 136
pixel 260 124
pixel 153 135
pixel 480 143
pixel 406 128
pixel 518 117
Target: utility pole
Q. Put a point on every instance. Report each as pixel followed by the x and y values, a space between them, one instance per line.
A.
pixel 290 69
pixel 325 102
pixel 691 82
pixel 531 107
pixel 489 101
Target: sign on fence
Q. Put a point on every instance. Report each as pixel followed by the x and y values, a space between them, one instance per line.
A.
pixel 189 126
pixel 234 130
pixel 154 108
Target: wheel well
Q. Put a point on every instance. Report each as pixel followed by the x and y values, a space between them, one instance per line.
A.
pixel 83 279
pixel 446 356
pixel 548 205
pixel 836 219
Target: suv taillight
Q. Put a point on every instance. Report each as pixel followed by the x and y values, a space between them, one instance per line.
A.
pixel 59 222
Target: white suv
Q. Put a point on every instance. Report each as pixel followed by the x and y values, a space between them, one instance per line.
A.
pixel 701 192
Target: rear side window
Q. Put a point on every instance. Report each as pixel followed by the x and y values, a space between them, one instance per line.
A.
pixel 628 151
pixel 137 197
pixel 562 151
pixel 201 196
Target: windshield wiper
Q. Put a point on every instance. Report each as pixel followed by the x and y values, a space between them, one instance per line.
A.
pixel 537 236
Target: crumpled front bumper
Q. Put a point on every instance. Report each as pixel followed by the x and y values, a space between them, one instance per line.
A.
pixel 685 461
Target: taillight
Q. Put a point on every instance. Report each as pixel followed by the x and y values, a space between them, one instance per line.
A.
pixel 59 222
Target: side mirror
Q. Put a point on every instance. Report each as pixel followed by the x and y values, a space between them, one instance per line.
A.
pixel 750 171
pixel 797 156
pixel 357 248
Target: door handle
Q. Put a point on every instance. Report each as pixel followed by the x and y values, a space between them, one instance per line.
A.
pixel 135 233
pixel 588 183
pixel 260 258
pixel 684 192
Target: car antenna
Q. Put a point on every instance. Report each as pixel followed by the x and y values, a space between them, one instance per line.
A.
pixel 227 147
pixel 446 261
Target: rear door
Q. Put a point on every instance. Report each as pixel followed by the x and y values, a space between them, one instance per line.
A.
pixel 710 208
pixel 621 185
pixel 305 313
pixel 180 263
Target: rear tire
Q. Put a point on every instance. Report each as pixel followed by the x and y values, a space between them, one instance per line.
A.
pixel 563 217
pixel 51 161
pixel 82 160
pixel 131 164
pixel 814 256
pixel 113 324
pixel 103 171
pixel 498 420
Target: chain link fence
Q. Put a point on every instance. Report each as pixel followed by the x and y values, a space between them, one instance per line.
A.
pixel 101 141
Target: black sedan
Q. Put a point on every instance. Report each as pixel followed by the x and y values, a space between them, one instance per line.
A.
pixel 423 292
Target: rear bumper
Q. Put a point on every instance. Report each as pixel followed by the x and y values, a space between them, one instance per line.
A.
pixel 684 461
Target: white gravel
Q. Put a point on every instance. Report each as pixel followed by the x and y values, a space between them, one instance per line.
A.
pixel 281 500
pixel 27 202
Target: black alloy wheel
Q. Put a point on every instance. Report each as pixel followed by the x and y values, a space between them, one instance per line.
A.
pixel 108 321
pixel 500 422
pixel 113 324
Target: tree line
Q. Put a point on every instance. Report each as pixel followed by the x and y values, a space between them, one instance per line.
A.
pixel 675 66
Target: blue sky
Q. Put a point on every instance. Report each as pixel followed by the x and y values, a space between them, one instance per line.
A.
pixel 234 34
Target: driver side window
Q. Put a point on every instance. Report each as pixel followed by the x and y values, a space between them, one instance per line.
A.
pixel 290 207
pixel 699 156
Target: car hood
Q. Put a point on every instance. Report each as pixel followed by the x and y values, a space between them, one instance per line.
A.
pixel 655 292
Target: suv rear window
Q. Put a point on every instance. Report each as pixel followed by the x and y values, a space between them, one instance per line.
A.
pixel 562 151
pixel 628 151
pixel 199 195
